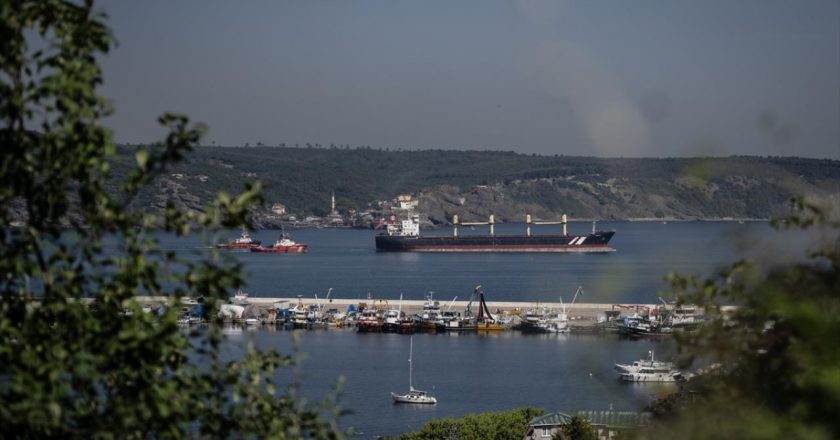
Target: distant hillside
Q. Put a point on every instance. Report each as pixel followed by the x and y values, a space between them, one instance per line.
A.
pixel 476 183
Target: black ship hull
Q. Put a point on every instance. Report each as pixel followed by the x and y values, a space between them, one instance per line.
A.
pixel 596 242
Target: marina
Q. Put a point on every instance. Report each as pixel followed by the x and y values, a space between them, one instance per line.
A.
pixel 475 315
pixel 356 313
pixel 507 369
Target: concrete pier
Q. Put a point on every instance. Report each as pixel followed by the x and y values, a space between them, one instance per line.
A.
pixel 577 312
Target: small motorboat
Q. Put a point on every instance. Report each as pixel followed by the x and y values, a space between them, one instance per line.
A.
pixel 413 395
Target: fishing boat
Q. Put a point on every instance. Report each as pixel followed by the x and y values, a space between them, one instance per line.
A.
pixel 370 321
pixel 534 320
pixel 450 320
pixel 640 325
pixel 427 321
pixel 243 242
pixel 393 319
pixel 558 322
pixel 298 315
pixel 413 395
pixel 485 321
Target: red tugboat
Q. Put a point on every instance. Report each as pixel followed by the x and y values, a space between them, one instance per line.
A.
pixel 284 245
pixel 243 242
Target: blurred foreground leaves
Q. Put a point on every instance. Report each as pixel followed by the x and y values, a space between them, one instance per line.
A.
pixel 771 347
pixel 78 356
pixel 492 425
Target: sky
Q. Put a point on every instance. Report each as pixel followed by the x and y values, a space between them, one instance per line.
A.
pixel 642 78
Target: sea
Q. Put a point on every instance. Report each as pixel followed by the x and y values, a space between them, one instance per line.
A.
pixel 472 373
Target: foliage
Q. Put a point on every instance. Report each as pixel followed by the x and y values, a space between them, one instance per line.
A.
pixel 771 342
pixel 69 369
pixel 578 428
pixel 485 426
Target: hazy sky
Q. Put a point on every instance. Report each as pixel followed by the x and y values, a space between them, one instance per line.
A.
pixel 604 78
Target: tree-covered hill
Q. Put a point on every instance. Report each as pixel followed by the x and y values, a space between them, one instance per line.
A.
pixel 476 183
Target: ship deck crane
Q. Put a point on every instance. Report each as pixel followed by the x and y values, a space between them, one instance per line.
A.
pixel 468 310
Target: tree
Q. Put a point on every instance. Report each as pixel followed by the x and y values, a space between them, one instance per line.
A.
pixel 775 363
pixel 578 428
pixel 492 425
pixel 69 369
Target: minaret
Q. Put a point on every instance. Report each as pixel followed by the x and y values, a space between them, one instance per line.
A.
pixel 333 202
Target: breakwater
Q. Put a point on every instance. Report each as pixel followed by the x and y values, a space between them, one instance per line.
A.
pixel 579 313
pixel 583 310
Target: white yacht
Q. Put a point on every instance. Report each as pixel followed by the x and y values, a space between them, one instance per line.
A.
pixel 413 396
pixel 649 374
pixel 650 362
pixel 649 370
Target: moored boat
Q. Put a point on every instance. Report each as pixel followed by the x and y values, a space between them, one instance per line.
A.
pixel 370 321
pixel 427 321
pixel 413 395
pixel 649 374
pixel 485 321
pixel 650 362
pixel 649 370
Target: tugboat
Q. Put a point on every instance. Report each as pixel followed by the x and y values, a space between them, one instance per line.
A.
pixel 243 242
pixel 413 396
pixel 284 245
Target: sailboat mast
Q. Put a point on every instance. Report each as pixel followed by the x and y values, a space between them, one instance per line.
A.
pixel 411 363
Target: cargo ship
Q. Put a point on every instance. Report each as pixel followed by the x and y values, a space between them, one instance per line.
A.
pixel 404 236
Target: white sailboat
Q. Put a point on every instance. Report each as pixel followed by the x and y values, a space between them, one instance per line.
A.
pixel 413 396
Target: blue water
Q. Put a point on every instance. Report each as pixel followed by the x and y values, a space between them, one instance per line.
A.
pixel 468 373
pixel 346 260
pixel 476 373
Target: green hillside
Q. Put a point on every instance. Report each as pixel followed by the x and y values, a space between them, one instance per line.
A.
pixel 475 183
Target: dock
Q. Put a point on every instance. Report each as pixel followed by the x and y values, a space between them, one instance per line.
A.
pixel 580 314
